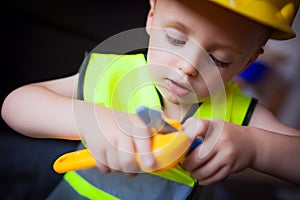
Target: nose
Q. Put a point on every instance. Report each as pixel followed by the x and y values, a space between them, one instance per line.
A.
pixel 191 59
pixel 188 68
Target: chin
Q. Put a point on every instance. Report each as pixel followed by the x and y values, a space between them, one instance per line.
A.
pixel 172 98
pixel 184 100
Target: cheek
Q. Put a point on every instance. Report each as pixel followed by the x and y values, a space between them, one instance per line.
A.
pixel 228 74
pixel 154 73
pixel 161 57
pixel 160 51
pixel 161 63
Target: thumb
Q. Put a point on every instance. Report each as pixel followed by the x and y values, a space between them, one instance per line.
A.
pixel 212 136
pixel 195 127
pixel 143 147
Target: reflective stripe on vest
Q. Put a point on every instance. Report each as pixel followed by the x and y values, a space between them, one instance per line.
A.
pixel 123 83
pixel 126 187
pixel 86 189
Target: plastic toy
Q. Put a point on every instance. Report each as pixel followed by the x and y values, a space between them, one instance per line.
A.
pixel 169 145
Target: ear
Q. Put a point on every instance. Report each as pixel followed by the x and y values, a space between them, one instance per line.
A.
pixel 252 59
pixel 150 16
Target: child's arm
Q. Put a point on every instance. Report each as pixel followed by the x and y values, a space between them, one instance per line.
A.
pixel 43 109
pixel 228 148
pixel 278 149
pixel 277 155
pixel 50 110
pixel 263 118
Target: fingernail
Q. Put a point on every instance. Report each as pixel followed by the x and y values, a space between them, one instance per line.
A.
pixel 148 162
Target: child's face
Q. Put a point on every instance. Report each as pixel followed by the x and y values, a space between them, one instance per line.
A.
pixel 195 43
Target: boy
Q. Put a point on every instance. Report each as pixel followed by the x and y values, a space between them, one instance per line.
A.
pixel 195 48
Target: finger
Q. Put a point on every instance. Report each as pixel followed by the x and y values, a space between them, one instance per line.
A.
pixel 209 169
pixel 126 155
pixel 193 161
pixel 112 158
pixel 142 143
pixel 105 154
pixel 102 163
pixel 221 174
pixel 212 137
pixel 103 168
pixel 195 127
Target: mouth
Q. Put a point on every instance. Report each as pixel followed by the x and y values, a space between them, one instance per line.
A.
pixel 177 88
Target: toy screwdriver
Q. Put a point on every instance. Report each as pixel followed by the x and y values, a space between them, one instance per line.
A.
pixel 154 121
pixel 169 145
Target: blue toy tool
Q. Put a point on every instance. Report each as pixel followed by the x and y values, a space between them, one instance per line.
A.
pixel 154 121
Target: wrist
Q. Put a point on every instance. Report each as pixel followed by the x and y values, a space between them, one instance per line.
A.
pixel 260 148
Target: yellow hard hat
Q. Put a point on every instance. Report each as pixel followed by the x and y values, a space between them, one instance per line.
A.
pixel 277 14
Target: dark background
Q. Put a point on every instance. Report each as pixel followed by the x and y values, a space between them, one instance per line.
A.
pixel 42 40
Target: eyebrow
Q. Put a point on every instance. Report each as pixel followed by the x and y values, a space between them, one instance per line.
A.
pixel 178 25
pixel 186 30
pixel 219 45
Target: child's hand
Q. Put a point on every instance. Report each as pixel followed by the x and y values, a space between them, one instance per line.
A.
pixel 226 148
pixel 114 138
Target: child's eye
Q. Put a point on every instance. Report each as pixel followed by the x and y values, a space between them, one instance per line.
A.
pixel 175 42
pixel 175 37
pixel 218 62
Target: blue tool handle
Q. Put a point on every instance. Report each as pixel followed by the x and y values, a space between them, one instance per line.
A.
pixel 195 144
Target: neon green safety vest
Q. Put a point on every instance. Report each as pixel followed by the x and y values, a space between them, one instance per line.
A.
pixel 122 82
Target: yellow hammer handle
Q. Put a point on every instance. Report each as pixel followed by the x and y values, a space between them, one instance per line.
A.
pixel 74 161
